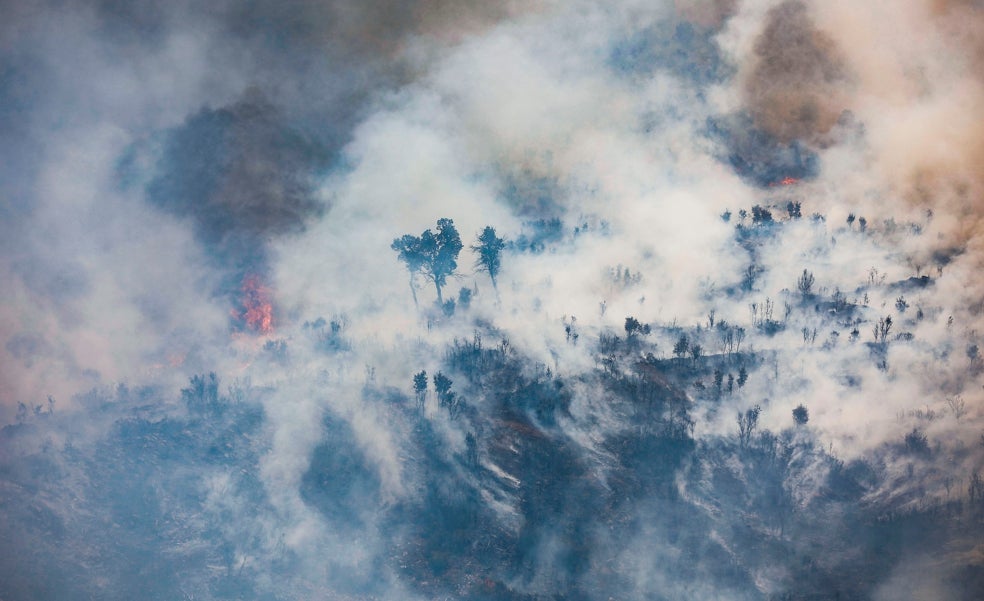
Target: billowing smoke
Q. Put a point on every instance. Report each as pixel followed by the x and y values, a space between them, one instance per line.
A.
pixel 795 78
pixel 241 175
pixel 731 348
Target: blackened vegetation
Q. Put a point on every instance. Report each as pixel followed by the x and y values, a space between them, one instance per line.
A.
pixel 568 508
pixel 913 283
pixel 831 544
pixel 510 385
pixel 534 511
pixel 518 453
pixel 801 415
pixel 520 510
pixel 148 526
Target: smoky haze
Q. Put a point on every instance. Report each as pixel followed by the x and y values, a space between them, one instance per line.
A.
pixel 709 209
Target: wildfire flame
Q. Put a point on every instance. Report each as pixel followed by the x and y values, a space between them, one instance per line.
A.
pixel 786 181
pixel 258 308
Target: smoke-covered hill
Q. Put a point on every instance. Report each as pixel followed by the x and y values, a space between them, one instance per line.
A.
pixel 430 300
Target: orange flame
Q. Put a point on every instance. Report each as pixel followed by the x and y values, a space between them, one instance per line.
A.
pixel 788 181
pixel 258 313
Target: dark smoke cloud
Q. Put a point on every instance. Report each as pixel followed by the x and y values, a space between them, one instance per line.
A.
pixel 292 37
pixel 707 13
pixel 793 90
pixel 375 27
pixel 242 175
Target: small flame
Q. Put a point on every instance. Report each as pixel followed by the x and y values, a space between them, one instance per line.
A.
pixel 258 308
pixel 787 181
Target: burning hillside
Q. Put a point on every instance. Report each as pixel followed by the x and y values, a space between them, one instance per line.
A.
pixel 701 317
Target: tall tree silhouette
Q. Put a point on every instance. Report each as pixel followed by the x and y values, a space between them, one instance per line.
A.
pixel 434 255
pixel 489 251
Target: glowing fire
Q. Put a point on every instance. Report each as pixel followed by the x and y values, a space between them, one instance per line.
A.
pixel 258 308
pixel 788 181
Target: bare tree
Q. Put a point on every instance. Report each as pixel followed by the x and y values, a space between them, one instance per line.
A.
pixel 957 406
pixel 805 282
pixel 747 422
pixel 882 328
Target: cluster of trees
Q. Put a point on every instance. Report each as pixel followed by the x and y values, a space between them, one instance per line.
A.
pixel 862 222
pixel 748 422
pixel 202 395
pixel 762 215
pixel 434 255
pixel 730 337
pixel 719 380
pixel 446 397
pixel 682 346
pixel 634 327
